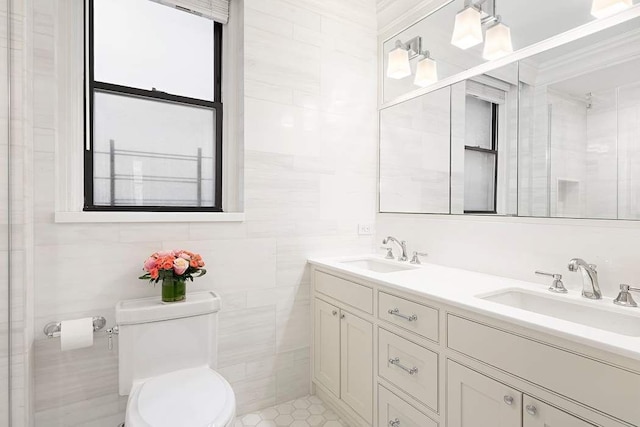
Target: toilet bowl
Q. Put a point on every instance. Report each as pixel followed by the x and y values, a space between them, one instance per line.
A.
pixel 166 357
pixel 197 397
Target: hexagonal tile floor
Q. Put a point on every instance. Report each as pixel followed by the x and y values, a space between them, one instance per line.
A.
pixel 305 412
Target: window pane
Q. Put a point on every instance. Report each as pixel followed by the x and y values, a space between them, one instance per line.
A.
pixel 478 123
pixel 479 181
pixel 143 44
pixel 154 161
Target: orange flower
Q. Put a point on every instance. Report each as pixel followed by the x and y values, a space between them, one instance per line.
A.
pixel 193 263
pixel 154 273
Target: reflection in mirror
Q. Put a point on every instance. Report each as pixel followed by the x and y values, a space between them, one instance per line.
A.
pixel 484 143
pixel 414 155
pixel 580 128
pixel 453 150
pixel 529 22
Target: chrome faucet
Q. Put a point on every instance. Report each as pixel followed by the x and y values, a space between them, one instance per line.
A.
pixel 402 244
pixel 590 286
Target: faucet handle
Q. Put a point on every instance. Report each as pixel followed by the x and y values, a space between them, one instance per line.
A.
pixel 557 286
pixel 415 259
pixel 624 298
pixel 389 250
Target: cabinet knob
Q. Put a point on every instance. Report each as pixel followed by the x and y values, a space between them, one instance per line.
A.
pixel 531 410
pixel 342 316
pixel 334 312
pixel 508 400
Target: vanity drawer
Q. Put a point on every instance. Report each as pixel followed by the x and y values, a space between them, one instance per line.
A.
pixel 353 294
pixel 604 387
pixel 414 317
pixel 415 370
pixel 392 408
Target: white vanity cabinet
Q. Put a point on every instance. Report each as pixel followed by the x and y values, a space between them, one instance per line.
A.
pixel 475 400
pixel 326 346
pixel 386 357
pixel 539 414
pixel 343 356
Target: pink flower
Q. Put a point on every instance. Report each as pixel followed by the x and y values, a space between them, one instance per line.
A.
pixel 163 254
pixel 184 256
pixel 180 265
pixel 150 264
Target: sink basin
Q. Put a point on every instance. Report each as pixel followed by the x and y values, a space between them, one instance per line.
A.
pixel 377 266
pixel 572 311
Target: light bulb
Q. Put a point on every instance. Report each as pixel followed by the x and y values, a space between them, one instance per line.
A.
pixel 467 31
pixel 398 65
pixel 498 43
pixel 603 8
pixel 426 72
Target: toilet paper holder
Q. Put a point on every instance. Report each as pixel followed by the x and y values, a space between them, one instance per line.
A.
pixel 52 329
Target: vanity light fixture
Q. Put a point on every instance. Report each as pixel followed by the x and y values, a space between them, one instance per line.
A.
pixel 398 66
pixel 603 8
pixel 467 31
pixel 498 43
pixel 426 70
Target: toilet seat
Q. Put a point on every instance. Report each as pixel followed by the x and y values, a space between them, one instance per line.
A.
pixel 197 397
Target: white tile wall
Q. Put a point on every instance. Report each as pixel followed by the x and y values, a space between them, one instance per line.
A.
pixel 21 257
pixel 310 168
pixel 515 248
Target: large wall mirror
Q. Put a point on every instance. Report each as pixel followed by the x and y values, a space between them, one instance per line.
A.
pixel 554 135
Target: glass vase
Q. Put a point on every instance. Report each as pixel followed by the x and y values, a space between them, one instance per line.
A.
pixel 173 290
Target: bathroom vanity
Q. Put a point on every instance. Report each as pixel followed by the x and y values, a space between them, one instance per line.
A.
pixel 401 345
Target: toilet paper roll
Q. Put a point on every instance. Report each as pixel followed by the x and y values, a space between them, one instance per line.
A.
pixel 76 333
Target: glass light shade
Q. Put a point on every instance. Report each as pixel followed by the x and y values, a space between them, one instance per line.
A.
pixel 426 72
pixel 498 43
pixel 602 8
pixel 467 31
pixel 398 66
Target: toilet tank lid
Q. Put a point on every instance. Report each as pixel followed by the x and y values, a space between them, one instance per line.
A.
pixel 145 310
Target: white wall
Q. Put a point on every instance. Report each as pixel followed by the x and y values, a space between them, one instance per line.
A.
pixel 516 247
pixel 310 178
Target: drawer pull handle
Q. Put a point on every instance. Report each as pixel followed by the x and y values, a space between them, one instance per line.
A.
pixel 396 312
pixel 334 312
pixel 532 410
pixel 508 400
pixel 410 371
pixel 394 423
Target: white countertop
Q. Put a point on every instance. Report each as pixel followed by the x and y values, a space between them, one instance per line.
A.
pixel 461 288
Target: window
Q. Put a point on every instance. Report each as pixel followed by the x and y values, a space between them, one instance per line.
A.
pixel 480 156
pixel 153 109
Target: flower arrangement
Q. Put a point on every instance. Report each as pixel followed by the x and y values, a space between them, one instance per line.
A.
pixel 174 268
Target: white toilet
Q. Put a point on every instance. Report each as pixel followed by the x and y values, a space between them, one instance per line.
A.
pixel 166 355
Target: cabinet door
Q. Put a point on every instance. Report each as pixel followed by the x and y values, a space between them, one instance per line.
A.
pixel 357 365
pixel 326 344
pixel 539 414
pixel 474 400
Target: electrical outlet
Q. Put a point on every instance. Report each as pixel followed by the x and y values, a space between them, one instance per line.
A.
pixel 365 229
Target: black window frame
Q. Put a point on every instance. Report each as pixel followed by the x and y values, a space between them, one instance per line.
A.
pixel 494 151
pixel 90 88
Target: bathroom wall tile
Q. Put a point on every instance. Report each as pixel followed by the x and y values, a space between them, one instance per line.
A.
pixel 238 328
pixel 310 178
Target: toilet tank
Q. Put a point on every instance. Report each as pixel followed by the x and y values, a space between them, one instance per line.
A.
pixel 156 338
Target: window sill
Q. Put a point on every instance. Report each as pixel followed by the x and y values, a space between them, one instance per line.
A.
pixel 104 217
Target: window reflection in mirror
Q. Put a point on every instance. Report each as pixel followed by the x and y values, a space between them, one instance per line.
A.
pixel 484 143
pixel 580 128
